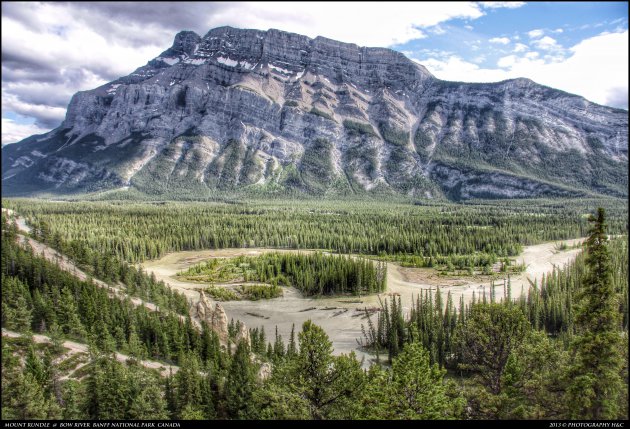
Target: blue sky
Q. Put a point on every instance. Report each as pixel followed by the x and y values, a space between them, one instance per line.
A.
pixel 485 40
pixel 52 50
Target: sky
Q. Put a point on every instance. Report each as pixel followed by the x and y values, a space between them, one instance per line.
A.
pixel 51 50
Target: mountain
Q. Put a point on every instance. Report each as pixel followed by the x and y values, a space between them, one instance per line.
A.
pixel 274 112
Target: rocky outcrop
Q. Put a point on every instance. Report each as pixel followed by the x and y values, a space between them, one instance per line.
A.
pixel 219 322
pixel 243 335
pixel 265 371
pixel 214 316
pixel 270 111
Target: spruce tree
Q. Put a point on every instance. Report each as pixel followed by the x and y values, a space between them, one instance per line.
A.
pixel 292 347
pixel 149 404
pixel 72 399
pixel 413 389
pixel 16 309
pixel 330 384
pixel 240 383
pixel 486 340
pixel 595 371
pixel 188 383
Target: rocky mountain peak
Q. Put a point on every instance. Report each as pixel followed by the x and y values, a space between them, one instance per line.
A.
pixel 185 43
pixel 272 111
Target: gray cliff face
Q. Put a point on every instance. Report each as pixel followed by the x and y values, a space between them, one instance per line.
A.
pixel 270 111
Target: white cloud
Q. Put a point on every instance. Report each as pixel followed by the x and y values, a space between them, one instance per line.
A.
pixel 437 30
pixel 547 43
pixel 535 33
pixel 520 47
pixel 558 30
pixel 597 69
pixel 507 61
pixel 502 4
pixel 499 40
pixel 374 23
pixel 44 63
pixel 46 114
pixel 13 132
pixel 456 69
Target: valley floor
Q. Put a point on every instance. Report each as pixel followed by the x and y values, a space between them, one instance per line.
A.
pixel 343 317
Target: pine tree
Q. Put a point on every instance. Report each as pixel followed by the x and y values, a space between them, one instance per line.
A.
pixel 240 383
pixel 596 367
pixel 71 398
pixel 27 401
pixel 134 346
pixel 149 404
pixel 16 309
pixel 292 348
pixel 188 383
pixel 278 347
pixel 413 389
pixel 486 340
pixel 329 383
pixel 68 315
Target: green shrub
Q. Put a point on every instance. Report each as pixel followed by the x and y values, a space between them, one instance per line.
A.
pixel 358 128
pixel 393 135
pixel 318 112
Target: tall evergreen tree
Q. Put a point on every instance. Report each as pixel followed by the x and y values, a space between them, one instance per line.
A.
pixel 413 389
pixel 188 383
pixel 330 384
pixel 16 309
pixel 595 371
pixel 240 383
pixel 292 347
pixel 486 340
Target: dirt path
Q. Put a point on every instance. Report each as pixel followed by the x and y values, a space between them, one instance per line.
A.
pixel 76 348
pixel 342 317
pixel 21 222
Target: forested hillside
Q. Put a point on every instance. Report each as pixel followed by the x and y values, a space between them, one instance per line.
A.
pixel 486 360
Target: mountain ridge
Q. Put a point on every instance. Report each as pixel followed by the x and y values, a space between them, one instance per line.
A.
pixel 271 111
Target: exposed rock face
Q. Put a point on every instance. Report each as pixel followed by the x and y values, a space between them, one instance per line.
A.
pixel 243 335
pixel 219 323
pixel 215 317
pixel 268 111
pixel 265 371
pixel 203 308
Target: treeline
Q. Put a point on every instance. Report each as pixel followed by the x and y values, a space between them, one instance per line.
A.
pixel 468 263
pixel 312 273
pixel 549 306
pixel 137 231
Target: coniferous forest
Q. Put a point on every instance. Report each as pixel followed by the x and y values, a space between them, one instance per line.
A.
pixel 312 274
pixel 119 344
